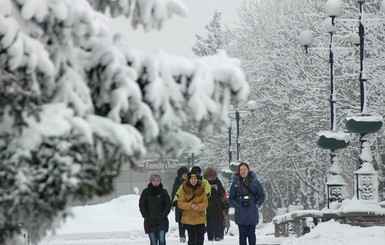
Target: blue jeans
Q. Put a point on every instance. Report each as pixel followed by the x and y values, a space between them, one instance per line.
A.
pixel 158 236
pixel 247 232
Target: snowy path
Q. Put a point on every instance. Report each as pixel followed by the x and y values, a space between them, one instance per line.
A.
pixel 119 222
pixel 95 239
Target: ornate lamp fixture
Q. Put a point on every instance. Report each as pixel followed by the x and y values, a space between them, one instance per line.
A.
pixel 366 179
pixel 331 140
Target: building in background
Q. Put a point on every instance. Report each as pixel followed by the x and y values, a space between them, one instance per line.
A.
pixel 130 179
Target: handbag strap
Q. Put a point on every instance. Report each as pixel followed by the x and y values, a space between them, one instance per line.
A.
pixel 255 196
pixel 191 198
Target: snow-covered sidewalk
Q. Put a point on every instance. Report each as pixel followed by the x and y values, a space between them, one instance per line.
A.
pixel 85 240
pixel 119 222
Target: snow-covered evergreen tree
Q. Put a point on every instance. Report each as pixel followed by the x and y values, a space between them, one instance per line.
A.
pixel 76 102
pixel 215 39
pixel 216 145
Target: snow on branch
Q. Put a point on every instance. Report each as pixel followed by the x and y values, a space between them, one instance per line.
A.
pixel 151 14
pixel 182 91
pixel 123 135
pixel 77 102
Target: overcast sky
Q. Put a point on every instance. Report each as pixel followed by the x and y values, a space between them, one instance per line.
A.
pixel 178 34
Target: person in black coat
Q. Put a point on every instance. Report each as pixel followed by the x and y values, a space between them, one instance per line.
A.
pixel 155 205
pixel 214 212
pixel 179 179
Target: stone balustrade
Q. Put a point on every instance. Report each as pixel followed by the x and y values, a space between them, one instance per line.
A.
pixel 298 223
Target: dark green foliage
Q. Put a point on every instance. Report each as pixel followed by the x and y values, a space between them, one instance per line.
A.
pixel 36 186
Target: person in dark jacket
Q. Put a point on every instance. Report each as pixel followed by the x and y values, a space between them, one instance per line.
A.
pixel 246 196
pixel 181 176
pixel 214 212
pixel 155 205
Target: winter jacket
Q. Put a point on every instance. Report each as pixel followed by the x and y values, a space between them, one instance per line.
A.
pixel 193 195
pixel 246 215
pixel 155 205
pixel 215 200
pixel 205 184
pixel 178 212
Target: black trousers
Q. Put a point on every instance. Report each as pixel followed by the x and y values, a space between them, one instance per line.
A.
pixel 196 234
pixel 215 227
pixel 182 230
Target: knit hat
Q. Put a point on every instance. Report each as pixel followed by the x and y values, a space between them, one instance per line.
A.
pixel 182 170
pixel 155 176
pixel 196 169
pixel 192 174
pixel 210 172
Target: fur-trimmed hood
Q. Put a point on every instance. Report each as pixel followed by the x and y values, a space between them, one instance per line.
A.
pixel 251 177
pixel 190 190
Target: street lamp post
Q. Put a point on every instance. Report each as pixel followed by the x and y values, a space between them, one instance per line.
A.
pixel 332 140
pixel 366 182
pixel 192 154
pixel 190 160
pixel 335 185
pixel 362 79
pixel 236 114
pixel 366 179
pixel 230 152
pixel 250 107
pixel 237 118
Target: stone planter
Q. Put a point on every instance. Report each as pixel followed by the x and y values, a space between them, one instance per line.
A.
pixel 333 140
pixel 364 124
pixel 227 173
pixel 234 166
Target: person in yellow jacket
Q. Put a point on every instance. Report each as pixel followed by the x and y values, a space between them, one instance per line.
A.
pixel 206 183
pixel 193 201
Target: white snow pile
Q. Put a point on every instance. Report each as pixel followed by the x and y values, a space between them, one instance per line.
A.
pixel 334 233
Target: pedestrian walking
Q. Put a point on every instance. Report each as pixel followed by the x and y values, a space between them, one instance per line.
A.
pixel 179 179
pixel 214 213
pixel 206 184
pixel 205 181
pixel 193 201
pixel 155 205
pixel 246 196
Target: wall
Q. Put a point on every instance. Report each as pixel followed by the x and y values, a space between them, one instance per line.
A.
pixel 129 179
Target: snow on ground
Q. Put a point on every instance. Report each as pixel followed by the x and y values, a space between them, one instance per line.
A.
pixel 119 222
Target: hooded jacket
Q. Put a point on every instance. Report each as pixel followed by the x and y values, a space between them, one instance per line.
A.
pixel 215 208
pixel 193 195
pixel 177 183
pixel 215 200
pixel 246 215
pixel 174 198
